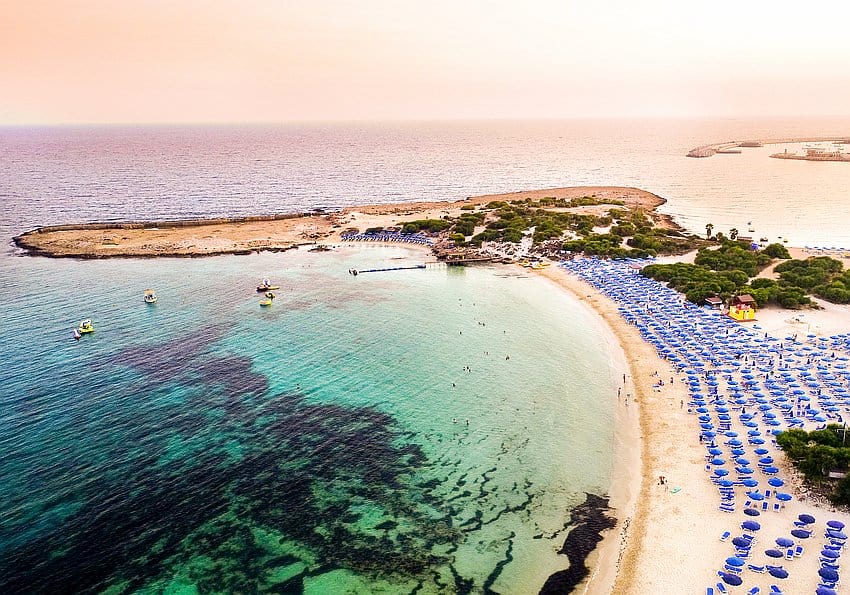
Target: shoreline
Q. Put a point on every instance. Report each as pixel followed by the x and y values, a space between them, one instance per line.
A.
pixel 628 473
pixel 192 238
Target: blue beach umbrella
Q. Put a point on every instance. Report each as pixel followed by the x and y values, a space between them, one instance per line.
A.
pixel 836 534
pixel 750 482
pixel 830 554
pixel 783 497
pixel 731 579
pixel 773 553
pixel 735 561
pixel 801 533
pixel 721 472
pixel 778 572
pixel 750 526
pixel 828 574
pixel 751 512
pixel 726 483
pixel 784 542
pixel 757 496
pixel 741 542
pixel 822 590
pixel 835 525
pixel 775 482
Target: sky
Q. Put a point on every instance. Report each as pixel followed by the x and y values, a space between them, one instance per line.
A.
pixel 158 61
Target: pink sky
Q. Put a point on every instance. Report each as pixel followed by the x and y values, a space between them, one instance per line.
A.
pixel 148 61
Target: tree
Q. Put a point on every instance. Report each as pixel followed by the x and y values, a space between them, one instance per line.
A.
pixel 733 233
pixel 709 227
pixel 776 251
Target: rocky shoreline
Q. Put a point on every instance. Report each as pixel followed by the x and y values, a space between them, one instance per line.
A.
pixel 192 238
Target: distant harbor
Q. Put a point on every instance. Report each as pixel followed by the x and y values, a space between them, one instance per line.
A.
pixel 733 146
pixel 815 154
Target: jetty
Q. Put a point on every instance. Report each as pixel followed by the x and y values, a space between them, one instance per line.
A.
pixel 387 269
pixel 727 147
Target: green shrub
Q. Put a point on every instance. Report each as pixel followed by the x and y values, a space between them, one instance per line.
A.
pixel 776 251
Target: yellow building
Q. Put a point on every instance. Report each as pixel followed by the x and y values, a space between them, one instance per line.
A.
pixel 743 308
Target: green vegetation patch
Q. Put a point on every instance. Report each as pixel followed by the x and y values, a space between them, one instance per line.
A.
pixel 817 453
pixel 431 225
pixel 733 256
pixel 823 276
pixel 726 271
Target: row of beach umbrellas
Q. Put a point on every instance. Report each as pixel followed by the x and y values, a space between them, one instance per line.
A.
pixel 744 387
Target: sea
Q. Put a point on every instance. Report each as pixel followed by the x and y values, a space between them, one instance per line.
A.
pixel 421 431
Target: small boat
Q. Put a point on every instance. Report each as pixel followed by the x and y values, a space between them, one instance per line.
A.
pixel 150 296
pixel 77 334
pixel 268 301
pixel 85 327
pixel 266 285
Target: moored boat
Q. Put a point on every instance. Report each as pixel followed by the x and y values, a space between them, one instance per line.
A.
pixel 85 327
pixel 150 296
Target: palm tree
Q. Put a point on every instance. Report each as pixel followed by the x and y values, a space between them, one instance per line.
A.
pixel 733 233
pixel 709 227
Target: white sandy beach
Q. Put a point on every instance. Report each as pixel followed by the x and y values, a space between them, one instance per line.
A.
pixel 666 540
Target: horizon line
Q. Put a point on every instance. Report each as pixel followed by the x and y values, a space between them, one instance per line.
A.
pixel 317 121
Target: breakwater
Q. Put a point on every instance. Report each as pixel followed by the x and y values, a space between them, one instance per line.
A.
pixel 729 146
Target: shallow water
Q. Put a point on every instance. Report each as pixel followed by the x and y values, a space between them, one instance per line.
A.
pixel 204 442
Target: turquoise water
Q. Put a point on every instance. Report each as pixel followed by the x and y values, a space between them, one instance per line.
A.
pixel 204 444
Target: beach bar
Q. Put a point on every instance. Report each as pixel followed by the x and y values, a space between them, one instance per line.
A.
pixel 743 308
